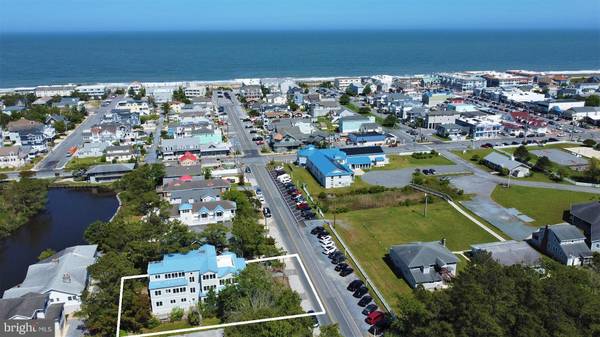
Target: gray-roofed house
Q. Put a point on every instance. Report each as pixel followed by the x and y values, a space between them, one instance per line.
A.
pixel 120 153
pixel 193 196
pixel 108 172
pixel 587 218
pixel 12 156
pixel 171 187
pixel 426 264
pixel 63 276
pixel 510 252
pixel 33 306
pixel 498 162
pixel 564 243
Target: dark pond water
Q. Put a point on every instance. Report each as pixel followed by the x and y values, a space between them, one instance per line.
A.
pixel 68 213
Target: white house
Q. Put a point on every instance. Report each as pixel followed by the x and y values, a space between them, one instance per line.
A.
pixel 63 276
pixel 564 243
pixel 12 156
pixel 203 213
pixel 54 90
pixel 342 83
pixel 181 280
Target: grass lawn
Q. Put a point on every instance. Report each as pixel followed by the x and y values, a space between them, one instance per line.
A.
pixel 370 233
pixel 545 206
pixel 467 155
pixel 79 163
pixel 545 147
pixel 400 162
pixel 167 326
pixel 301 175
pixel 323 120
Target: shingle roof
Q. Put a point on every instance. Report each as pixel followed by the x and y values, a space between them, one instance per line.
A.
pixel 110 168
pixel 362 150
pixel 208 206
pixel 24 306
pixel 65 271
pixel 418 254
pixel 590 213
pixel 566 232
pixel 503 161
pixel 177 185
pixel 510 252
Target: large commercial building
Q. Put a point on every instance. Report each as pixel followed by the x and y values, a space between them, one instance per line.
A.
pixel 182 280
pixel 462 81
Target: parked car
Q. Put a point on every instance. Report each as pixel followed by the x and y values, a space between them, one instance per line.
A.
pixel 346 272
pixel 267 212
pixel 326 238
pixel 335 254
pixel 247 169
pixel 354 285
pixel 338 259
pixel 327 245
pixel 365 300
pixel 341 266
pixel 374 317
pixel 317 230
pixel 314 318
pixel 369 308
pixel 329 250
pixel 360 291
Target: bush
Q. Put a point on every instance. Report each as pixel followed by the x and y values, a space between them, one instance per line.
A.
pixel 476 158
pixel 193 317
pixel 176 314
pixel 589 143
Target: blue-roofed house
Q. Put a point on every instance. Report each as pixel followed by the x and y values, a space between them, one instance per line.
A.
pixel 328 166
pixel 181 280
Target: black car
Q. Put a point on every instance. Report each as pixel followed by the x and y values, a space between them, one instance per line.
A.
pixel 314 318
pixel 335 254
pixel 361 291
pixel 364 301
pixel 369 308
pixel 341 266
pixel 267 212
pixel 346 272
pixel 309 217
pixel 338 259
pixel 316 230
pixel 248 170
pixel 354 285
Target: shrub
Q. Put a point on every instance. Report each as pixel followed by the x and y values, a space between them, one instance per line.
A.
pixel 476 158
pixel 193 317
pixel 176 314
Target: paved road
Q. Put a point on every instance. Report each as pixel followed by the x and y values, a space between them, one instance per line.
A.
pixel 57 157
pixel 151 154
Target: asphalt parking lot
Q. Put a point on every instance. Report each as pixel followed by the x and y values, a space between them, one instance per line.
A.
pixel 402 177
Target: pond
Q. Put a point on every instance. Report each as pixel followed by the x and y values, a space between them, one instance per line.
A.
pixel 62 224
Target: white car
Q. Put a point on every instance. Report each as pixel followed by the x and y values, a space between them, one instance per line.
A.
pixel 329 250
pixel 325 239
pixel 329 245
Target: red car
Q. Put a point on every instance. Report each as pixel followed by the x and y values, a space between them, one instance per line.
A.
pixel 302 206
pixel 375 317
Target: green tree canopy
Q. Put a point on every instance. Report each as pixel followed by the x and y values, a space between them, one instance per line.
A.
pixel 344 99
pixel 592 100
pixel 390 121
pixel 522 154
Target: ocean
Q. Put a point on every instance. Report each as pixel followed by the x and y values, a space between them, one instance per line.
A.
pixel 35 59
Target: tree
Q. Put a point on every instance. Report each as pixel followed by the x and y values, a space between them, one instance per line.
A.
pixel 522 154
pixel 488 299
pixel 3 176
pixel 166 108
pixel 216 235
pixel 344 99
pixel 179 95
pixel 330 331
pixel 293 106
pixel 60 127
pixel 589 143
pixel 592 100
pixel 207 172
pixel 593 170
pixel 367 90
pixel 46 254
pixel 326 84
pixel 542 164
pixel 130 92
pixel 364 110
pixel 390 121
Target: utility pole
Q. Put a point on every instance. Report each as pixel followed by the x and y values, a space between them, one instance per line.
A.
pixel 425 210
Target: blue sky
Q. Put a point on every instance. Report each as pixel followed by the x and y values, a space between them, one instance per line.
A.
pixel 158 15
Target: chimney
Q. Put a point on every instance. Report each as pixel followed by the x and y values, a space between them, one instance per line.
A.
pixel 443 242
pixel 544 245
pixel 66 278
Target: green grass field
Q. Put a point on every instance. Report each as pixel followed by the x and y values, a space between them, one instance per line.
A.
pixel 301 175
pixel 400 162
pixel 545 206
pixel 82 163
pixel 370 234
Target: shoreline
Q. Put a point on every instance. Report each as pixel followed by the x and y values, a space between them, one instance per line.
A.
pixel 240 81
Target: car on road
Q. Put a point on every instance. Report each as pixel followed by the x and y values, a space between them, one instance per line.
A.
pixel 374 317
pixel 346 272
pixel 341 266
pixel 247 169
pixel 364 301
pixel 369 308
pixel 360 291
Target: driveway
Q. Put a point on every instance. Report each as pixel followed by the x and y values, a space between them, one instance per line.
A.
pixel 402 177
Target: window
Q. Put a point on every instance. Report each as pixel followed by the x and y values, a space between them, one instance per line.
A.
pixel 51 300
pixel 157 276
pixel 183 299
pixel 159 303
pixel 204 215
pixel 173 301
pixel 176 290
pixel 157 292
pixel 192 279
pixel 219 214
pixel 192 290
pixel 70 298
